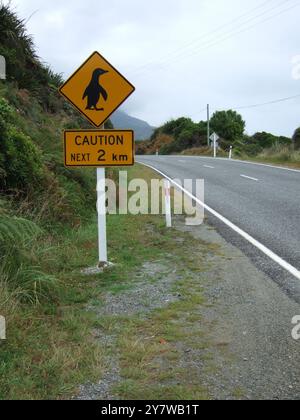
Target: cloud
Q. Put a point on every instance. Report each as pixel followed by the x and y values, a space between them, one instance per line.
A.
pixel 181 54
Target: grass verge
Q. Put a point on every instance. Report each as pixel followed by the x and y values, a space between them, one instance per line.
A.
pixel 51 347
pixel 161 351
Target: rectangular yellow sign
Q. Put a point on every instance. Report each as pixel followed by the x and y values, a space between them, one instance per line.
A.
pixel 99 148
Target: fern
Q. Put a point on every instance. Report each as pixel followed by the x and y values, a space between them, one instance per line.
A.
pixel 14 230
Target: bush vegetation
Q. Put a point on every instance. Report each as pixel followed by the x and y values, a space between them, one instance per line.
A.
pixel 187 137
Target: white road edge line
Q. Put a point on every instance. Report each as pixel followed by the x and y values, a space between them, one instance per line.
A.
pixel 283 168
pixel 210 167
pixel 280 261
pixel 249 177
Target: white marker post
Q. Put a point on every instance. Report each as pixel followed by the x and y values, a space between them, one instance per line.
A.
pixel 230 153
pixel 168 203
pixel 101 207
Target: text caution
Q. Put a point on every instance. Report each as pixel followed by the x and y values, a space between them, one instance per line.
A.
pixel 99 148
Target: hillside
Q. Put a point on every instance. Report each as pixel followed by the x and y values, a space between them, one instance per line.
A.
pixel 44 208
pixel 142 129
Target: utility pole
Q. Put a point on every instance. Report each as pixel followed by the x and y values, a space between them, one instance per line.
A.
pixel 208 126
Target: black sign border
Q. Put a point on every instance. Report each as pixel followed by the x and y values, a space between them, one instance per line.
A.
pixel 77 71
pixel 97 131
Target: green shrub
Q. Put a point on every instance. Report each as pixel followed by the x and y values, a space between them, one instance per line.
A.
pixel 21 162
pixel 6 112
pixel 267 140
pixel 185 132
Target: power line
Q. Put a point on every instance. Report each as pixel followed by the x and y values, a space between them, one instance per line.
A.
pixel 289 98
pixel 221 39
pixel 199 112
pixel 237 33
pixel 207 34
pixel 268 103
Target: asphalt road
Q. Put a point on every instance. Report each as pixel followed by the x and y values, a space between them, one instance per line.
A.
pixel 263 201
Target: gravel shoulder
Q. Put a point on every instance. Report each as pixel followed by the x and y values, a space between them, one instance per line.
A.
pixel 204 323
pixel 251 316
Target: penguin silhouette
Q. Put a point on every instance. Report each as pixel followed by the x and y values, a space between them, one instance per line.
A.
pixel 94 91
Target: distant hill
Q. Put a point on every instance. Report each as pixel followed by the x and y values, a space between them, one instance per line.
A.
pixel 142 129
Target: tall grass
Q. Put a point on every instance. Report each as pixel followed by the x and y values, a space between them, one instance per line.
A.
pixel 203 151
pixel 281 154
pixel 21 278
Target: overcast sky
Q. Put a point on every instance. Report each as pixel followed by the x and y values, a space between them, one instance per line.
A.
pixel 182 54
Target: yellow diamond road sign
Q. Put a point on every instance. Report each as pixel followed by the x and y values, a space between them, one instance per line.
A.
pixel 97 89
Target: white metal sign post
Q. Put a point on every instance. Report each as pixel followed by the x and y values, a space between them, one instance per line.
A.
pixel 101 208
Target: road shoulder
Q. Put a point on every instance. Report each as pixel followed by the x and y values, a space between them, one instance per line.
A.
pixel 195 321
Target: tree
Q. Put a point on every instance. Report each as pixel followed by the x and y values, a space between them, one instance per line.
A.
pixel 175 127
pixel 228 124
pixel 202 128
pixel 188 138
pixel 296 139
pixel 182 134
